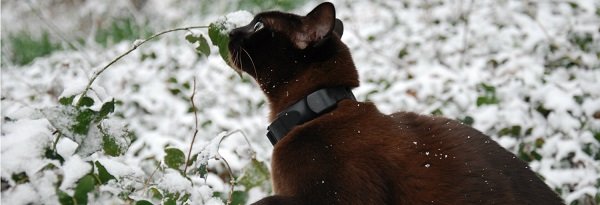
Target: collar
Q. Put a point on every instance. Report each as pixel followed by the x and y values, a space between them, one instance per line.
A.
pixel 308 108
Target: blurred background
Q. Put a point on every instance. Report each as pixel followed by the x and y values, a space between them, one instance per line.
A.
pixel 527 73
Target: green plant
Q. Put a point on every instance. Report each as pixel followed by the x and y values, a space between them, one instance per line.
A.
pixel 488 97
pixel 91 125
pixel 25 47
pixel 285 5
pixel 121 29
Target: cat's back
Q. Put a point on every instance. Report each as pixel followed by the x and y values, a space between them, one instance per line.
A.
pixel 453 163
pixel 420 159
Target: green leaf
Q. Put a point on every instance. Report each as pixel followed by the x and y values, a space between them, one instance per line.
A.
pixel 174 158
pixel 486 100
pixel 203 48
pixel 170 201
pixel 103 174
pixel 64 198
pixel 155 193
pixel 84 186
pixel 468 120
pixel 20 178
pixel 83 121
pixel 535 155
pixel 143 202
pixel 402 53
pixel 86 101
pixel 437 111
pixel 239 197
pixel 255 174
pixel 51 154
pixel 539 142
pixel 514 131
pixel 106 109
pixel 190 37
pixel 542 110
pixel 185 197
pixel 110 146
pixel 219 39
pixel 488 88
pixel 66 100
pixel 192 160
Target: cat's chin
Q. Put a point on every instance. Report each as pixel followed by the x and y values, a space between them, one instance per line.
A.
pixel 233 63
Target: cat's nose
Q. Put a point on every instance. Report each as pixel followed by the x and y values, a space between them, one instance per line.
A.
pixel 238 33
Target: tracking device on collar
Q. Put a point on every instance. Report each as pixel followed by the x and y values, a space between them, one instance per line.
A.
pixel 310 107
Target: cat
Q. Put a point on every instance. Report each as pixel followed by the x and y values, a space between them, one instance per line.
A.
pixel 331 149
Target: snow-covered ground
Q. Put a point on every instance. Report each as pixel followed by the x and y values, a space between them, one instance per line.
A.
pixel 526 73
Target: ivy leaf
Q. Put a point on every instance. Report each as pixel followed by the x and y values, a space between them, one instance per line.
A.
pixel 110 146
pixel 255 174
pixel 155 193
pixel 174 158
pixel 86 101
pixel 103 173
pixel 170 201
pixel 66 100
pixel 185 197
pixel 143 202
pixel 106 109
pixel 239 197
pixel 64 198
pixel 85 185
pixel 219 39
pixel 51 154
pixel 20 178
pixel 191 38
pixel 83 121
pixel 203 48
pixel 192 160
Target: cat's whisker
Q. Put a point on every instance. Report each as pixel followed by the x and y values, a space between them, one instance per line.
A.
pixel 251 61
pixel 238 58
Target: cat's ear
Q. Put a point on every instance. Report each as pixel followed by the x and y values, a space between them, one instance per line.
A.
pixel 317 26
pixel 339 27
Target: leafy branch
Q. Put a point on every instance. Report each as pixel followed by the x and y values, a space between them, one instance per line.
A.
pixel 136 44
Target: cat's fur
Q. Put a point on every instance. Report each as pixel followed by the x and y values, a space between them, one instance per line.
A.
pixel 354 154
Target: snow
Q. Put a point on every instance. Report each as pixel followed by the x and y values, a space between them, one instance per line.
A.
pixel 238 19
pixel 74 169
pixel 24 141
pixel 117 168
pixel 510 45
pixel 174 182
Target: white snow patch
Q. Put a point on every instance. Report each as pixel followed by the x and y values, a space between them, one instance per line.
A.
pixel 23 144
pixel 117 168
pixel 237 19
pixel 74 169
pixel 174 182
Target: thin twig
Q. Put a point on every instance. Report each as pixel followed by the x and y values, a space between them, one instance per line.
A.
pixel 38 12
pixel 195 128
pixel 58 135
pixel 231 178
pixel 465 16
pixel 135 46
pixel 149 178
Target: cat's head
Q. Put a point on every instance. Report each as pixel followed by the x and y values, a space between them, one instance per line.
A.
pixel 278 49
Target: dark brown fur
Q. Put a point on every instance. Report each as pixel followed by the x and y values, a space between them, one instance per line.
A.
pixel 355 154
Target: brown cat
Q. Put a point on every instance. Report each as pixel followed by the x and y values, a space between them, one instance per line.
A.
pixel 331 149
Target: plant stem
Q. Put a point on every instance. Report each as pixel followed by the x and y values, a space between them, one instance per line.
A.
pixel 231 177
pixel 135 46
pixel 195 128
pixel 150 178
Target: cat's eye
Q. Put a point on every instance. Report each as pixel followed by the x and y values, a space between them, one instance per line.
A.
pixel 259 25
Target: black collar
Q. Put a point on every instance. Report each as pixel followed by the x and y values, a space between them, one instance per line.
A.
pixel 310 107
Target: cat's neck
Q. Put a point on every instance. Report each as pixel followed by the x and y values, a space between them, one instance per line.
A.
pixel 338 72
